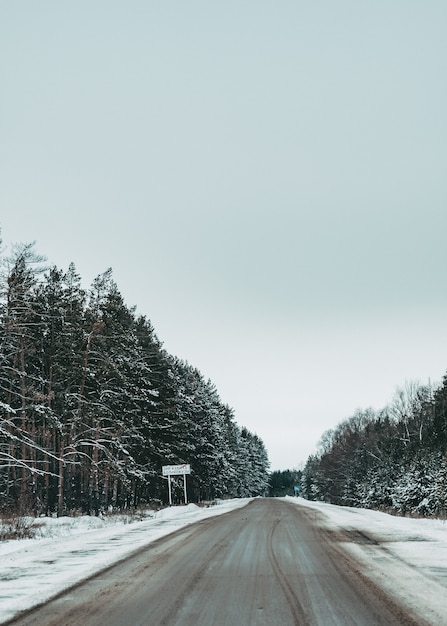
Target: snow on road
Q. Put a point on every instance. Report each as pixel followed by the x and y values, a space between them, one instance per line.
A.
pixel 71 549
pixel 406 556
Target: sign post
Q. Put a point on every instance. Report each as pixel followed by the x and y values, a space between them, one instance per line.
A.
pixel 176 470
pixel 169 489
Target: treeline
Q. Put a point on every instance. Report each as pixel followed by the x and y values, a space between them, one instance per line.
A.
pixel 393 459
pixel 92 406
pixel 285 483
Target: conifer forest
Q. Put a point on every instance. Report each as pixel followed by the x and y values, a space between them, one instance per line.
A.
pixel 394 459
pixel 92 406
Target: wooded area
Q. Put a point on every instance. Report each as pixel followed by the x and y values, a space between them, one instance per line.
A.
pixel 92 406
pixel 393 459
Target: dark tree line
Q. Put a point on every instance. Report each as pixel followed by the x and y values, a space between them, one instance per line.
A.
pixel 394 459
pixel 284 483
pixel 92 406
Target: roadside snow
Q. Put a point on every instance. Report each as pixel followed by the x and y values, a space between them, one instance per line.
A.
pixel 406 557
pixel 67 550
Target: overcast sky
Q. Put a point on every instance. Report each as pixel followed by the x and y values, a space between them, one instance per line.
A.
pixel 266 179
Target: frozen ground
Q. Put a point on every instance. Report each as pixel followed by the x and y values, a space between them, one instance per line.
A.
pixel 409 557
pixel 70 549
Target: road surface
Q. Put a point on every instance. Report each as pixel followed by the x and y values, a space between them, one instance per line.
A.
pixel 265 564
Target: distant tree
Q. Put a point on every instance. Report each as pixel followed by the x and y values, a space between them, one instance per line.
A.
pixel 283 483
pixel 412 409
pixel 439 432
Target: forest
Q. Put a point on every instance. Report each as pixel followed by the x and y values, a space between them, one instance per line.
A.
pixel 92 406
pixel 393 459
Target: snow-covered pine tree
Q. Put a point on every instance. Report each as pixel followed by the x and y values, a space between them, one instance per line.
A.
pixel 21 456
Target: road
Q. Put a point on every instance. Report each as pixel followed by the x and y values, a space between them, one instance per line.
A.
pixel 268 563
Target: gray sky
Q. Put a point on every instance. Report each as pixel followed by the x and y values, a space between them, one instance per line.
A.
pixel 266 179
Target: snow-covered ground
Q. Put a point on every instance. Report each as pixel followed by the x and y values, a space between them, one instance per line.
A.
pixel 408 557
pixel 66 550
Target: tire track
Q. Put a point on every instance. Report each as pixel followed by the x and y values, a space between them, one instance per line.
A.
pixel 269 563
pixel 173 616
pixel 351 570
pixel 298 612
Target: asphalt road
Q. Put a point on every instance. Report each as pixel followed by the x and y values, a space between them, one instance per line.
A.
pixel 267 563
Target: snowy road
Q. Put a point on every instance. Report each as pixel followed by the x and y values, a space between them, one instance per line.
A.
pixel 270 562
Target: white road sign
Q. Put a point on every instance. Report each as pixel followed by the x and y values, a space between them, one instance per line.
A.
pixel 176 470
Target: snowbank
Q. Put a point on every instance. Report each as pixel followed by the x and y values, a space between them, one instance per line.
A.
pixel 407 557
pixel 67 550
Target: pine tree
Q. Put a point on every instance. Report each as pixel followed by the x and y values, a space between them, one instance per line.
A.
pixel 20 452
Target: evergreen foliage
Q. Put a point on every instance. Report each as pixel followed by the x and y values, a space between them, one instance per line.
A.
pixel 92 406
pixel 394 459
pixel 283 483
